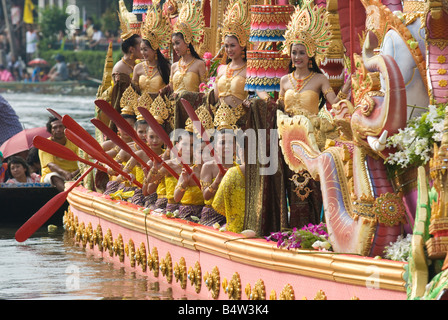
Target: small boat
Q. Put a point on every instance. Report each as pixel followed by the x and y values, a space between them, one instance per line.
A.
pixel 21 201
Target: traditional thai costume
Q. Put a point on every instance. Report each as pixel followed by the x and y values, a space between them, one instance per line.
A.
pixel 309 27
pixel 170 186
pixel 185 84
pixel 230 200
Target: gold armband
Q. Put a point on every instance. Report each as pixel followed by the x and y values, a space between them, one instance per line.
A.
pixel 342 95
pixel 330 89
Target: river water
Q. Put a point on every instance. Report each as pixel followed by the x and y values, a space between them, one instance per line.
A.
pixel 49 265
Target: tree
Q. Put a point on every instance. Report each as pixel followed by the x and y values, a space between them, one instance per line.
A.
pixel 52 19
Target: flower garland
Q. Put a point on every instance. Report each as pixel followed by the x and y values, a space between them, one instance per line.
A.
pixel 400 249
pixel 415 143
pixel 309 237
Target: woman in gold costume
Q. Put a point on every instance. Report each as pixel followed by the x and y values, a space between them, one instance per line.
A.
pixel 231 78
pixel 154 72
pixel 190 71
pixel 304 91
pixel 130 46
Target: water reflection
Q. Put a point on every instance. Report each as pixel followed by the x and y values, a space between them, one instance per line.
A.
pixel 52 266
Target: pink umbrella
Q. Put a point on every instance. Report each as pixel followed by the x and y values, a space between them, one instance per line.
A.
pixel 22 141
pixel 37 61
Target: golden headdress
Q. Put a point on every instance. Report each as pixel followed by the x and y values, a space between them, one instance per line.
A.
pixel 237 21
pixel 226 117
pixel 309 26
pixel 129 101
pixel 190 22
pixel 129 23
pixel 156 28
pixel 206 119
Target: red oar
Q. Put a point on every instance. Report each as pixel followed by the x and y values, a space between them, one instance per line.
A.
pixel 166 139
pixel 118 141
pixel 60 151
pixel 126 127
pixel 200 128
pixel 99 155
pixel 88 142
pixel 54 113
pixel 45 213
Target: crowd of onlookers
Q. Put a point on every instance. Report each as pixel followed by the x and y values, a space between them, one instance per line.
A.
pixel 18 68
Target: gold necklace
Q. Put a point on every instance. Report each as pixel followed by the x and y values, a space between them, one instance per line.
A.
pixel 300 83
pixel 230 72
pixel 149 70
pixel 128 64
pixel 185 67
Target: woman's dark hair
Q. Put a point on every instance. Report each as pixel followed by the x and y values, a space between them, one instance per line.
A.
pixel 130 42
pixel 190 46
pixel 51 119
pixel 18 160
pixel 314 68
pixel 162 64
pixel 244 51
pixel 129 116
pixel 33 156
pixel 139 123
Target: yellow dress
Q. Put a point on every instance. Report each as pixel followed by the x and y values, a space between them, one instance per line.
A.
pixel 151 84
pixel 304 100
pixel 170 185
pixel 232 87
pixel 193 196
pixel 188 81
pixel 161 189
pixel 230 199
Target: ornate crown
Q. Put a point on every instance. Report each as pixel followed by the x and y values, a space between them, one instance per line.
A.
pixel 308 26
pixel 144 101
pixel 129 101
pixel 205 117
pixel 190 21
pixel 129 23
pixel 156 28
pixel 237 21
pixel 160 109
pixel 226 116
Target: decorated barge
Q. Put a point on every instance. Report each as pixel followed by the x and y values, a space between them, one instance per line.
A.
pixel 358 149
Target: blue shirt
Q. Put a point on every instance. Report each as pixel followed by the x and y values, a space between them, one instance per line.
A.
pixel 9 121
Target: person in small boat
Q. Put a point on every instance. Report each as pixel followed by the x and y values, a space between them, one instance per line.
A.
pixel 3 169
pixel 59 72
pixel 153 73
pixel 20 172
pixel 54 169
pixel 33 160
pixel 304 91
